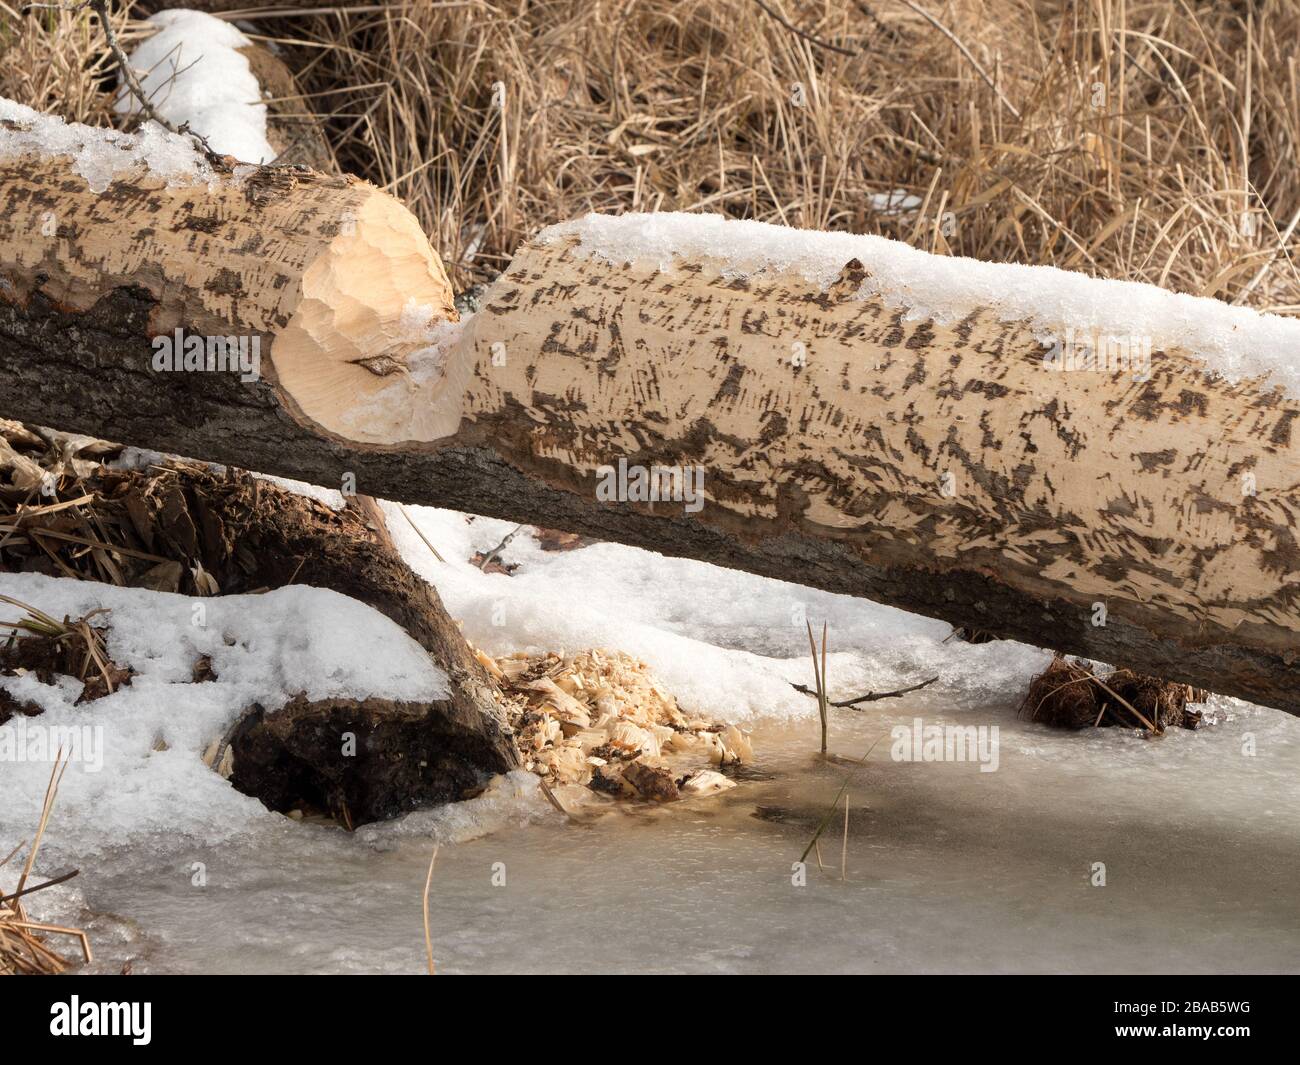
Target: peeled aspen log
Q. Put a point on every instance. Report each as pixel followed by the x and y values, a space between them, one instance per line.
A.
pixel 1103 468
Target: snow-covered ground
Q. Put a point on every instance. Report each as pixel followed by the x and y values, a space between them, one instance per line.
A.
pixel 122 788
pixel 727 644
pixel 949 867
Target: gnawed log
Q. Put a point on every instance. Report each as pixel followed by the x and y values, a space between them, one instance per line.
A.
pixel 931 460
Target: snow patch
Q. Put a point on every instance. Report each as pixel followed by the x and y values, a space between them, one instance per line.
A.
pixel 192 73
pixel 264 648
pixel 726 644
pixel 1235 342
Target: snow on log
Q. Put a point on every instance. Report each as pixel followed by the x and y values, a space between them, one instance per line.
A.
pixel 1103 468
pixel 203 72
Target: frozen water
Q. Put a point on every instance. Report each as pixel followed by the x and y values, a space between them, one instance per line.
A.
pixel 949 868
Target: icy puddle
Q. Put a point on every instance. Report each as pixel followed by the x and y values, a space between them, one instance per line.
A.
pixel 948 869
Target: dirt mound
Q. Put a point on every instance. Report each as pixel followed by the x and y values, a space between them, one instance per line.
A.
pixel 1068 694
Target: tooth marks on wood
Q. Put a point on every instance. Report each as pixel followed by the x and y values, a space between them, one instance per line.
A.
pixel 829 473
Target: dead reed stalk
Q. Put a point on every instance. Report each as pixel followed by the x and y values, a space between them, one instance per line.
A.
pixel 23 942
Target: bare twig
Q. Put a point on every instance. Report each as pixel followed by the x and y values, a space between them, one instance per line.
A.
pixel 964 51
pixel 803 35
pixel 496 551
pixel 869 697
pixel 133 86
pixel 1124 702
pixel 39 887
pixel 421 535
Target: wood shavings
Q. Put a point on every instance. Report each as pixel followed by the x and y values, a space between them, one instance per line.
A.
pixel 599 721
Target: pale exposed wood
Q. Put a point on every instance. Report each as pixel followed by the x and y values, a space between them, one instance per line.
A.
pixel 1067 489
pixel 323 267
pixel 1088 486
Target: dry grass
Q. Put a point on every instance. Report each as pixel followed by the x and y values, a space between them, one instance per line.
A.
pixel 23 942
pixel 1142 139
pixel 1155 140
pixel 56 61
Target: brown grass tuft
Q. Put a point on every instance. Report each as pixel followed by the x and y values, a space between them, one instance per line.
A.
pixel 56 61
pixel 24 943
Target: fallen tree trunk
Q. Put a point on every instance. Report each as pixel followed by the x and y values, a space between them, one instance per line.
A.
pixel 927 460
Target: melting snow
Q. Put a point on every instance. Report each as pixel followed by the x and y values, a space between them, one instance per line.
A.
pixel 101 155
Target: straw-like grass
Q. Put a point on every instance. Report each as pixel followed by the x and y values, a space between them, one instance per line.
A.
pixel 819 676
pixel 1142 139
pixel 428 936
pixel 1151 140
pixel 56 61
pixel 71 638
pixel 23 942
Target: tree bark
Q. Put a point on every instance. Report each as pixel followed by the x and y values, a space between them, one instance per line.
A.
pixel 933 467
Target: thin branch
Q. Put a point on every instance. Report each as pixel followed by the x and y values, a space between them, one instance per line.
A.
pixel 803 35
pixel 869 697
pixel 964 51
pixel 133 86
pixel 39 887
pixel 496 551
pixel 410 521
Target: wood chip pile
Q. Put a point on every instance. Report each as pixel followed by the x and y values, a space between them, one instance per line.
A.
pixel 597 719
